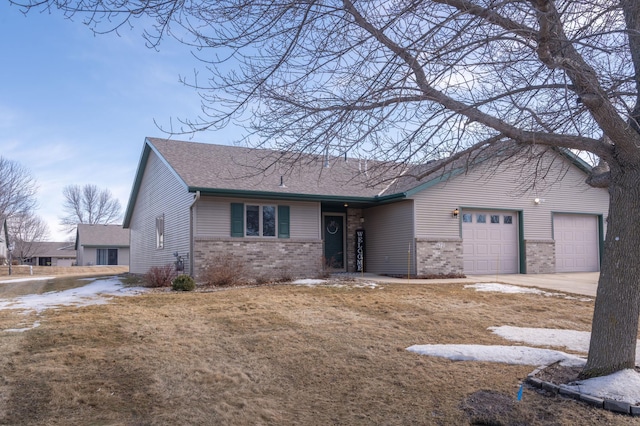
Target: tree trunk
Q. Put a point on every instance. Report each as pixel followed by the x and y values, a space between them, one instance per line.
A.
pixel 614 328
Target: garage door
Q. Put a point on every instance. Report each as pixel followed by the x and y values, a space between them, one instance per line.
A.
pixel 576 238
pixel 490 242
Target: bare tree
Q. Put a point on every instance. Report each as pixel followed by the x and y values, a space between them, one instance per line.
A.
pixel 412 80
pixel 89 204
pixel 17 189
pixel 26 231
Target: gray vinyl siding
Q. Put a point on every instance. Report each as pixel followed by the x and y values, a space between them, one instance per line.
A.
pixel 213 217
pixel 389 236
pixel 89 255
pixel 564 190
pixel 79 256
pixel 161 192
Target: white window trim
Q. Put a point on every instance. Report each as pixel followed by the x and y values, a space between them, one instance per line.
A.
pixel 260 220
pixel 160 232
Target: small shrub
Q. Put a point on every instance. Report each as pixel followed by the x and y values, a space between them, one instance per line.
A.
pixel 159 276
pixel 183 283
pixel 223 271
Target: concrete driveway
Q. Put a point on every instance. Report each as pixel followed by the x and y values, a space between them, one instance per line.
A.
pixel 583 283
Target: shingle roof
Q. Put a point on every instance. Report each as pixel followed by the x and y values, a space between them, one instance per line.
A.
pixel 239 171
pixel 208 166
pixel 54 249
pixel 102 235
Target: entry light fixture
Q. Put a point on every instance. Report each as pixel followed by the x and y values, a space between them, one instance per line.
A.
pixel 536 201
pixel 455 212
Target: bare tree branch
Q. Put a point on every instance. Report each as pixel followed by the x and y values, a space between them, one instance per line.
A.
pixel 89 204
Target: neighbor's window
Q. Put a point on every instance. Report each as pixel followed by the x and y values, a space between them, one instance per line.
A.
pixel 260 221
pixel 160 231
pixel 106 256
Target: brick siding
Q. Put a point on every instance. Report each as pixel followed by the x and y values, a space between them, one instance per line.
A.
pixel 540 256
pixel 439 256
pixel 271 258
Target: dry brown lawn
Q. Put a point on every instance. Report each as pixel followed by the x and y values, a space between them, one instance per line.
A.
pixel 281 355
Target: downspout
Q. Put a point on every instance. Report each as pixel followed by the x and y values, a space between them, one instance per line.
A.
pixel 191 225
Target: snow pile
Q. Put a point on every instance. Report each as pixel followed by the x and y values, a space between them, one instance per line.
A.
pixel 521 355
pixel 623 385
pixel 571 339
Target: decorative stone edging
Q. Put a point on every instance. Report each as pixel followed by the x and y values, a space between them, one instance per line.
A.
pixel 563 390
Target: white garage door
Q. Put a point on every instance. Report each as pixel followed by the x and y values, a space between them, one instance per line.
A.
pixel 577 243
pixel 490 242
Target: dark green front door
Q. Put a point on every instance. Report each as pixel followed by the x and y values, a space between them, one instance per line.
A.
pixel 334 241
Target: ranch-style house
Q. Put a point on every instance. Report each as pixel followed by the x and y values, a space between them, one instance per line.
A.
pixel 505 210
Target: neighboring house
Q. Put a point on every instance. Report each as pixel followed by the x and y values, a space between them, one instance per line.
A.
pixel 102 245
pixel 46 253
pixel 198 201
pixel 4 242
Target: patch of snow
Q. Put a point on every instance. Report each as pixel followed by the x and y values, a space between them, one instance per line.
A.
pixel 503 288
pixel 570 339
pixel 514 289
pixel 623 385
pixel 21 330
pixel 521 355
pixel 366 285
pixel 309 281
pixel 334 283
pixel 20 280
pixel 95 293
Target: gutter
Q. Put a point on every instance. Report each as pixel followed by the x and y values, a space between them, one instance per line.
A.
pixel 196 198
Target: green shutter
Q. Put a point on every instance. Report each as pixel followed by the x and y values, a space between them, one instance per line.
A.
pixel 237 220
pixel 283 221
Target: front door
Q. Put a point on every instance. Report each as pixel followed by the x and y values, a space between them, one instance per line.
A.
pixel 334 241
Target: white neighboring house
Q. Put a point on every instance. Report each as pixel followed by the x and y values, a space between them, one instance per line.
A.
pixel 102 245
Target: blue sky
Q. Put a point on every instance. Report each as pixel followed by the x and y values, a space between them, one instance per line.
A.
pixel 75 108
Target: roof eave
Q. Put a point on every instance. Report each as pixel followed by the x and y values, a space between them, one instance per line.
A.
pixel 575 160
pixel 106 245
pixel 142 165
pixel 294 196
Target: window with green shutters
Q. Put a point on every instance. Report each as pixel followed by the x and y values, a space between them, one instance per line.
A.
pixel 254 220
pixel 283 221
pixel 237 220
